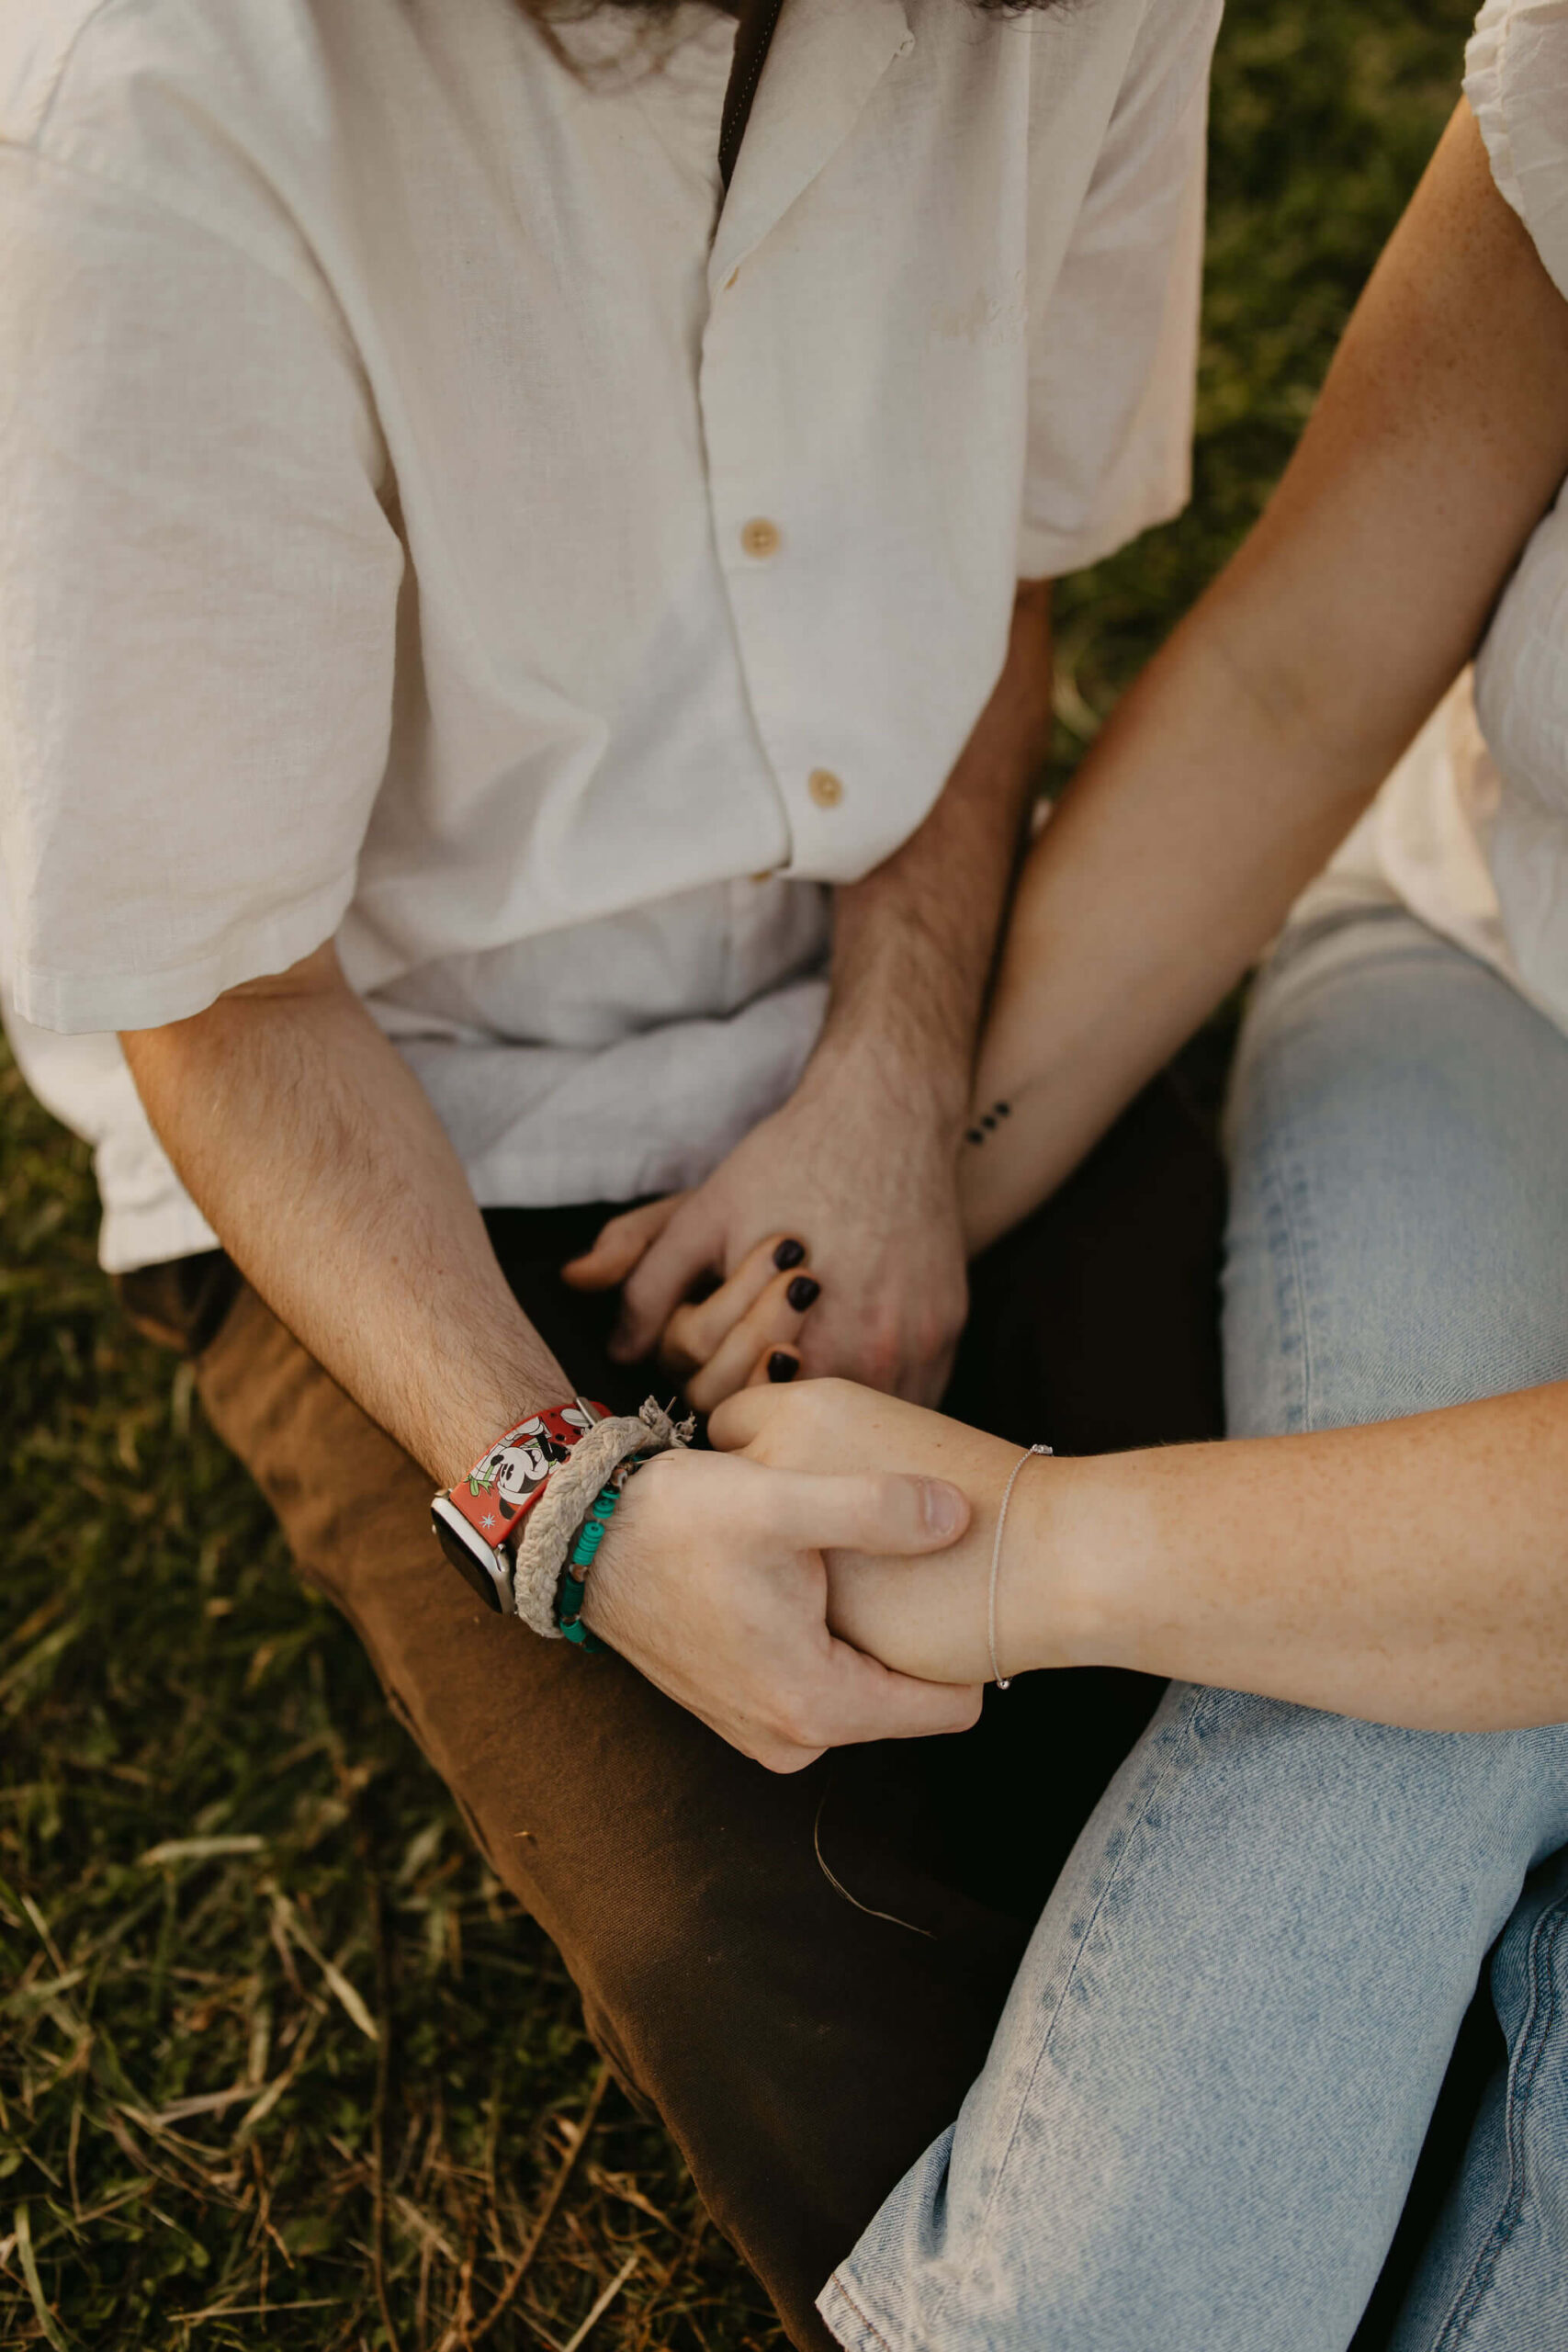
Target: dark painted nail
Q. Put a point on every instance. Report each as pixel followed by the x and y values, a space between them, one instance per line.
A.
pixel 788 1254
pixel 782 1367
pixel 804 1291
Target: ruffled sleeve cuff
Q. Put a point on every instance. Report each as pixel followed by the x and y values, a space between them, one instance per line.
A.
pixel 1516 82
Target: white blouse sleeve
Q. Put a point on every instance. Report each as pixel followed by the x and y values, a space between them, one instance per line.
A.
pixel 197 596
pixel 1516 82
pixel 1113 381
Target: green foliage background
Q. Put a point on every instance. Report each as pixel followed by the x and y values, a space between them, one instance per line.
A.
pixel 220 1862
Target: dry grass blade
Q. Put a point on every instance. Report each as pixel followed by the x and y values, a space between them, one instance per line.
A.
pixel 241 2311
pixel 199 1850
pixel 22 2224
pixel 378 2122
pixel 273 2091
pixel 603 2305
pixel 206 2103
pixel 294 1927
pixel 673 2269
pixel 41 1924
pixel 523 2263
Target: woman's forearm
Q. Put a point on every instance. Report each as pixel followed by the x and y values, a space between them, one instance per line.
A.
pixel 1413 1572
pixel 1246 751
pixel 1199 816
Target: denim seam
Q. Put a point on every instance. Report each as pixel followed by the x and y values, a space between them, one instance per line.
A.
pixel 1466 2296
pixel 1284 1246
pixel 837 2283
pixel 1178 1740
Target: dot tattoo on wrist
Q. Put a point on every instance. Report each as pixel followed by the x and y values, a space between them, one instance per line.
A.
pixel 987 1123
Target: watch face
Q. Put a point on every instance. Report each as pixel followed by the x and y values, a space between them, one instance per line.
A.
pixel 462 1550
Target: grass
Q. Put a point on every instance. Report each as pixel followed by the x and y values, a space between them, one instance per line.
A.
pixel 279 2062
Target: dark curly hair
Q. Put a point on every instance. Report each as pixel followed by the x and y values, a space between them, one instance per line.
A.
pixel 554 16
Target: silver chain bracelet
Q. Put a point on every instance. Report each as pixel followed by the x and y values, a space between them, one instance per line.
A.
pixel 998 1678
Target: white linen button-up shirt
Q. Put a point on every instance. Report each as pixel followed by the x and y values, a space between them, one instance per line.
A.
pixel 431 517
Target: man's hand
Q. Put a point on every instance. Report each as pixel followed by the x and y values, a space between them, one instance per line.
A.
pixel 711 1582
pixel 862 1176
pixel 859 1167
pixel 926 1617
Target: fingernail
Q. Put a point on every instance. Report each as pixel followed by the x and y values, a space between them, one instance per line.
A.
pixel 804 1291
pixel 782 1366
pixel 942 1507
pixel 788 1254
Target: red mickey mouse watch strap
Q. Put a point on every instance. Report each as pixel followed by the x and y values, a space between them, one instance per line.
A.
pixel 476 1520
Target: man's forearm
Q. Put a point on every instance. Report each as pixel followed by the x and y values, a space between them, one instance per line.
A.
pixel 858 1169
pixel 316 1158
pixel 913 941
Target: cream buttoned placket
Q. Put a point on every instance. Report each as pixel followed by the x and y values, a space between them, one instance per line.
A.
pixel 748 482
pixel 713 516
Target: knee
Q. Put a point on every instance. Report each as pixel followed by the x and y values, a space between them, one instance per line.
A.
pixel 1457 1817
pixel 1383 1256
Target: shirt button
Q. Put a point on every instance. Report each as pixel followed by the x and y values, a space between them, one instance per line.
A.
pixel 759 536
pixel 824 787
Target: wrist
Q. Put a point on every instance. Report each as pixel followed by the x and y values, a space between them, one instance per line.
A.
pixel 1090 1534
pixel 509 1374
pixel 922 1081
pixel 479 1519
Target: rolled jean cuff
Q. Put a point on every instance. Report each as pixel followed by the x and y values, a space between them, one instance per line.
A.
pixel 851 2327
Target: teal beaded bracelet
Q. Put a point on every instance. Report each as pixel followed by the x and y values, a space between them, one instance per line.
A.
pixel 573 1587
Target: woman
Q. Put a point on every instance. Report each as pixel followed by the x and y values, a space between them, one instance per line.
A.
pixel 1203 2106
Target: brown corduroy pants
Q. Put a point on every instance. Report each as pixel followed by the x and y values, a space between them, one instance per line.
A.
pixel 801 2052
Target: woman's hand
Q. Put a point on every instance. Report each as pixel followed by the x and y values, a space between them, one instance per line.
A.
pixel 926 1617
pixel 743 1330
pixel 855 1178
pixel 710 1581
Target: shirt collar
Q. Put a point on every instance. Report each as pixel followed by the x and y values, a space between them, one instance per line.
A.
pixel 825 61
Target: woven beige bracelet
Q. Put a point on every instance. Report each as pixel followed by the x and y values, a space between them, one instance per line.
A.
pixel 550 1528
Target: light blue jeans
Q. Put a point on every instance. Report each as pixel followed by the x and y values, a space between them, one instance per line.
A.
pixel 1202 2110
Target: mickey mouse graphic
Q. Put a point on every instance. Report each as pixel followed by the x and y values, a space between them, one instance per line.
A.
pixel 478 1518
pixel 517 1464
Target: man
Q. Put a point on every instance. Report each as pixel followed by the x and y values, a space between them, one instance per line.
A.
pixel 519 694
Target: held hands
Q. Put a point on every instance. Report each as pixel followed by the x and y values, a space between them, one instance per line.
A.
pixel 859 1268
pixel 712 1583
pixel 924 1616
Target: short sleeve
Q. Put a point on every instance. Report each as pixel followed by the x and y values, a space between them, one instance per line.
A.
pixel 1113 376
pixel 1517 81
pixel 198 585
